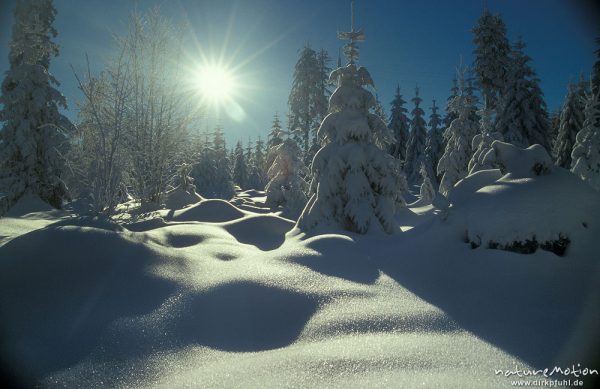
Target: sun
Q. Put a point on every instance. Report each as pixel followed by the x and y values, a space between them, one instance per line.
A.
pixel 215 83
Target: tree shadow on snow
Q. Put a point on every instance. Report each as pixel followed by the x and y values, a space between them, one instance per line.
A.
pixel 244 317
pixel 509 300
pixel 60 289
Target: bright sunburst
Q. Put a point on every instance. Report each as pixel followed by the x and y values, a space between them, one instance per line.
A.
pixel 215 83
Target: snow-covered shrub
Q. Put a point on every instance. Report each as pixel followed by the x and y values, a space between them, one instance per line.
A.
pixel 482 143
pixel 531 206
pixel 519 163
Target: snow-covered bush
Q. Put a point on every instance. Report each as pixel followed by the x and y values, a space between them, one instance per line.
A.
pixel 517 162
pixel 526 209
pixel 482 143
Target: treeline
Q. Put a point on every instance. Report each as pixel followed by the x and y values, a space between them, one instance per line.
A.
pixel 138 122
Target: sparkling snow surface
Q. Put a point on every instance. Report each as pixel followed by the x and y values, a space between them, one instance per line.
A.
pixel 215 295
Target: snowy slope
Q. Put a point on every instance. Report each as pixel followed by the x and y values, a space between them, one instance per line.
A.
pixel 216 296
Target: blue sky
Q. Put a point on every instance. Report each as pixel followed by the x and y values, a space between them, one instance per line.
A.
pixel 408 42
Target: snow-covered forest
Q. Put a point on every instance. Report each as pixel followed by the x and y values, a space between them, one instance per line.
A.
pixel 449 243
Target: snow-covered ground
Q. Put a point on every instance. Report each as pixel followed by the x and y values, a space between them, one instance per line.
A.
pixel 224 295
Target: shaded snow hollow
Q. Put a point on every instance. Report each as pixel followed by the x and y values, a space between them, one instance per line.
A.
pixel 217 296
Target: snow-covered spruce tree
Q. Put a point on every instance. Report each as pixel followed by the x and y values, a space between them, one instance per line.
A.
pixel 415 149
pixel 491 53
pixel 571 122
pixel 223 184
pixel 482 142
pixel 355 182
pixel 434 146
pixel 586 152
pixel 274 138
pixel 450 116
pixel 286 186
pixel 34 134
pixel 321 101
pixel 240 170
pixel 204 171
pixel 398 125
pixel 453 165
pixel 378 109
pixel 426 192
pixel 258 176
pixel 595 79
pixel 305 86
pixel 522 118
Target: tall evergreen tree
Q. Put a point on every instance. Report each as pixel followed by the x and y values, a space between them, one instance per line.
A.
pixel 491 52
pixel 415 150
pixel 571 122
pixel 596 70
pixel 34 135
pixel 586 152
pixel 398 125
pixel 286 186
pixel 258 173
pixel 450 115
pixel 522 118
pixel 240 169
pixel 434 147
pixel 354 184
pixel 305 89
pixel 454 163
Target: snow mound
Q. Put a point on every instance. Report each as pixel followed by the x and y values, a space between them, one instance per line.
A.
pixel 520 163
pixel 339 256
pixel 179 198
pixel 267 232
pixel 28 204
pixel 464 188
pixel 61 287
pixel 211 211
pixel 146 225
pixel 245 317
pixel 525 213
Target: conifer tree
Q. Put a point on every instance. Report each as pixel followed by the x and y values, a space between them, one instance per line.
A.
pixel 522 118
pixel 453 165
pixel 398 126
pixel 586 152
pixel 415 150
pixel 258 174
pixel 286 187
pixel 354 184
pixel 240 170
pixel 595 81
pixel 34 135
pixel 492 60
pixel 302 104
pixel 426 192
pixel 482 142
pixel 570 123
pixel 450 116
pixel 434 147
